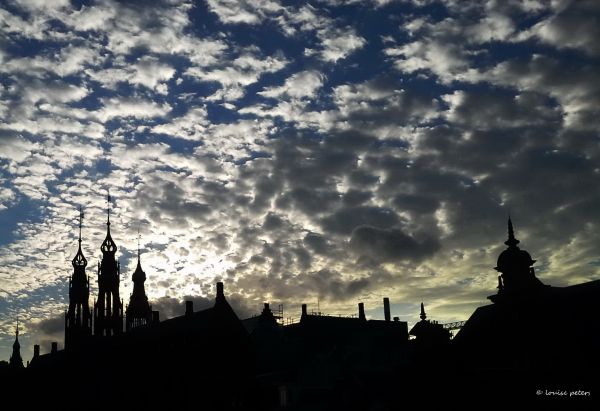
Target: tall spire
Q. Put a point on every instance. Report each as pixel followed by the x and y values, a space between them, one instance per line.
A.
pixel 108 310
pixel 79 259
pixel 108 246
pixel 108 207
pixel 15 359
pixel 138 311
pixel 423 315
pixel 78 318
pixel 512 241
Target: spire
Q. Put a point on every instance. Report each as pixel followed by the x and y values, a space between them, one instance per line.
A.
pixel 423 315
pixel 79 260
pixel 15 359
pixel 512 241
pixel 108 207
pixel 108 246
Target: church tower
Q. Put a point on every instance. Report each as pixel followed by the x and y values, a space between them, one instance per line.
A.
pixel 138 311
pixel 78 319
pixel 16 361
pixel 108 309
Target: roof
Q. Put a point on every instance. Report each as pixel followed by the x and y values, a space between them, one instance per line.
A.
pixel 554 327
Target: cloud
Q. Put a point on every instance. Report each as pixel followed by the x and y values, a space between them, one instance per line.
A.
pixel 128 107
pixel 299 85
pixel 247 11
pixel 383 245
pixel 574 26
pixel 242 71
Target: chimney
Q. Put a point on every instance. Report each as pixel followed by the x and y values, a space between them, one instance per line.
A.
pixel 386 309
pixel 54 347
pixel 36 350
pixel 266 307
pixel 220 293
pixel 155 317
pixel 396 319
pixel 304 312
pixel 189 307
pixel 361 311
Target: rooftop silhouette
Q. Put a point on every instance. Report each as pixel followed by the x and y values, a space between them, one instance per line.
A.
pixel 532 336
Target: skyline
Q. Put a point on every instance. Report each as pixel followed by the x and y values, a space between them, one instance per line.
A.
pixel 330 151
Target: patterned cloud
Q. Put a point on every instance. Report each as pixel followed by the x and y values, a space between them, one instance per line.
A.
pixel 302 152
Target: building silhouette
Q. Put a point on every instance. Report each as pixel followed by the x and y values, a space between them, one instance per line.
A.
pixel 532 336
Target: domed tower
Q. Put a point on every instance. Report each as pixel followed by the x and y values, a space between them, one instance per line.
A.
pixel 78 319
pixel 517 278
pixel 108 310
pixel 138 311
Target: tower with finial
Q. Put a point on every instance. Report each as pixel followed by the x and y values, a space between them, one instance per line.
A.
pixel 423 316
pixel 108 309
pixel 16 362
pixel 517 276
pixel 78 318
pixel 139 312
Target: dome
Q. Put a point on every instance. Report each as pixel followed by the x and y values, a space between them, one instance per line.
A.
pixel 513 258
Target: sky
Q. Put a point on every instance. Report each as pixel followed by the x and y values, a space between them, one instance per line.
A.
pixel 324 152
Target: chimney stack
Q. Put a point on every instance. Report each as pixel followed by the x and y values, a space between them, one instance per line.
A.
pixel 155 317
pixel 361 311
pixel 220 293
pixel 36 350
pixel 189 307
pixel 54 347
pixel 304 311
pixel 396 318
pixel 386 309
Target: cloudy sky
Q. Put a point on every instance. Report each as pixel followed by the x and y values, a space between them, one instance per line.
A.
pixel 330 151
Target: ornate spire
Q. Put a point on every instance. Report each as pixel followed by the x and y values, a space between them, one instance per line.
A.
pixel 108 246
pixel 512 241
pixel 423 315
pixel 79 260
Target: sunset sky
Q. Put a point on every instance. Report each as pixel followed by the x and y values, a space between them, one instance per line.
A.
pixel 330 151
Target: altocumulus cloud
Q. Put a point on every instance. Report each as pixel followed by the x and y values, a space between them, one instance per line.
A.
pixel 294 151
